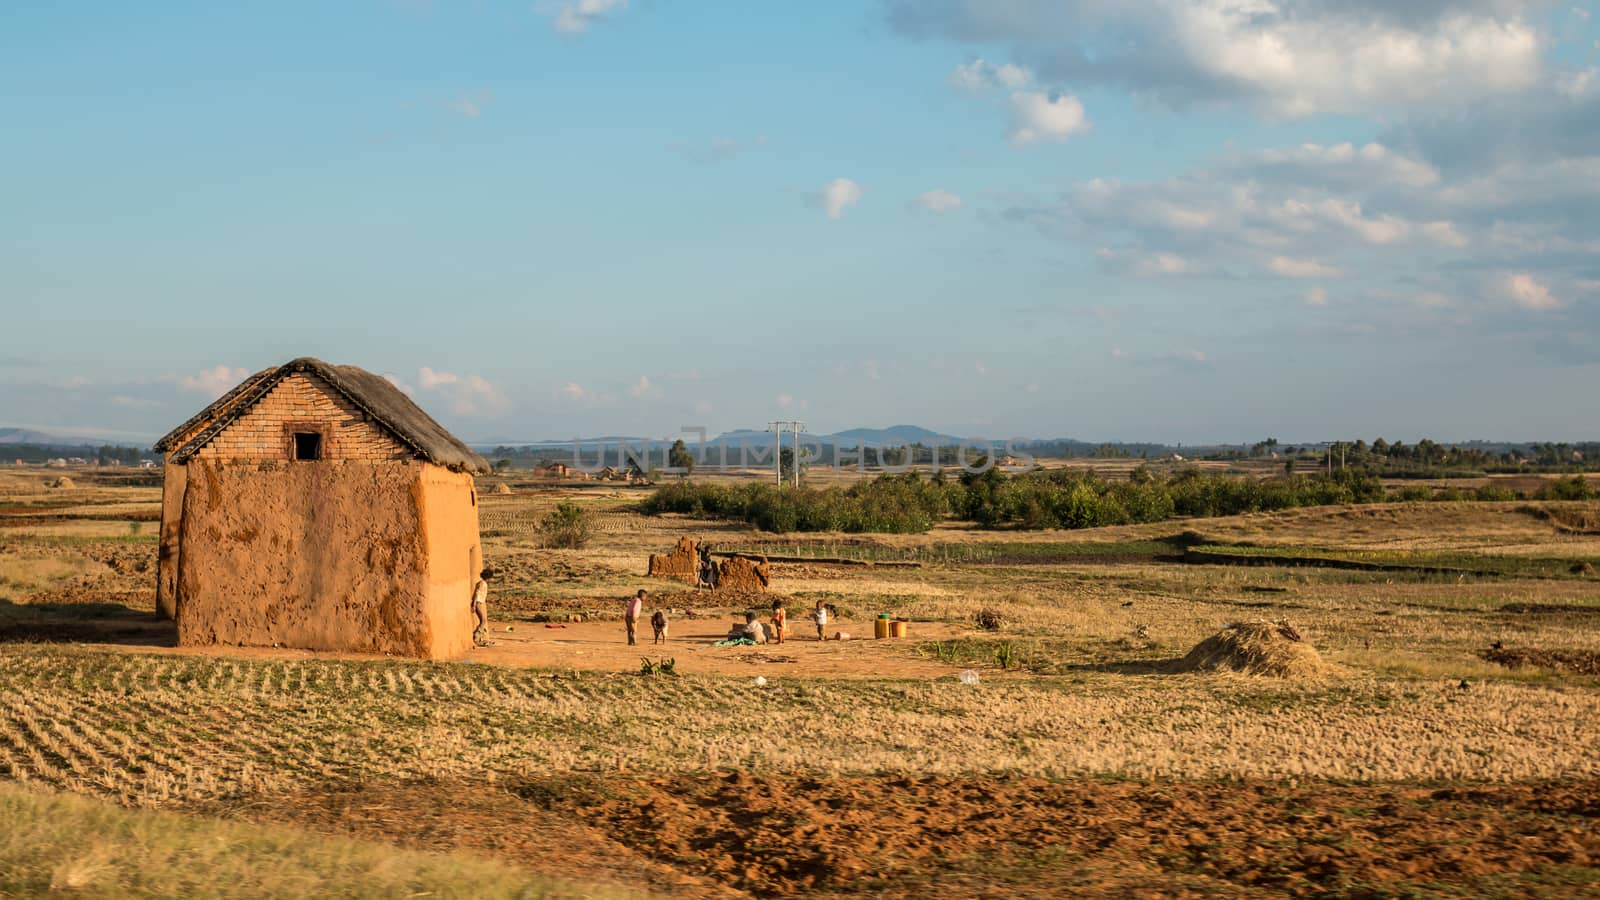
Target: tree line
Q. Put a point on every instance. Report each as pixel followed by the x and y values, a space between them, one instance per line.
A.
pixel 1059 498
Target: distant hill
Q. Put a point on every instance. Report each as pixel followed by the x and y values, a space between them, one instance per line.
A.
pixel 43 439
pixel 894 435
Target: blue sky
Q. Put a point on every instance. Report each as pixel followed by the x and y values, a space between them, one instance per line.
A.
pixel 1181 221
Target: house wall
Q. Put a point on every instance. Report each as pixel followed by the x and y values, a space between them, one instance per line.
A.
pixel 324 556
pixel 455 556
pixel 173 478
pixel 302 397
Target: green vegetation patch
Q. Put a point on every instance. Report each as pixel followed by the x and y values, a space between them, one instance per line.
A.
pixel 1425 561
pixel 56 843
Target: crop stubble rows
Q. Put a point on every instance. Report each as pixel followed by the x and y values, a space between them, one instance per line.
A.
pixel 153 729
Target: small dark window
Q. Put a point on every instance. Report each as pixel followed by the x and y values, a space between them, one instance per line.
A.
pixel 307 445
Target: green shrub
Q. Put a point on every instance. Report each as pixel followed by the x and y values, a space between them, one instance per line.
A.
pixel 1491 492
pixel 568 527
pixel 1575 487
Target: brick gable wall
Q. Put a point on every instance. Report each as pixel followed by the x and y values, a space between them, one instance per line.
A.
pixel 304 399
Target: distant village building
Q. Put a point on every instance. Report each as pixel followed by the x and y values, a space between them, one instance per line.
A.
pixel 316 506
pixel 555 470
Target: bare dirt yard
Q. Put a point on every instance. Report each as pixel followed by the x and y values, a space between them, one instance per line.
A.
pixel 1441 745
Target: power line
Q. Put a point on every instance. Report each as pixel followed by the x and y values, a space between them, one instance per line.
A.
pixel 778 454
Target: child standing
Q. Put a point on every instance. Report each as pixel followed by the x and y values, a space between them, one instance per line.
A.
pixel 630 614
pixel 820 616
pixel 480 608
pixel 658 622
pixel 780 620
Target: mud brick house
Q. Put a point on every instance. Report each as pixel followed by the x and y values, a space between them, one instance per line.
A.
pixel 316 506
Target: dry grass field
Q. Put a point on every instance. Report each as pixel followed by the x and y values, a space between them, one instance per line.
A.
pixel 1422 762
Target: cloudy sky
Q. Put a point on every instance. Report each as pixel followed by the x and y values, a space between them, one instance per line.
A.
pixel 1104 219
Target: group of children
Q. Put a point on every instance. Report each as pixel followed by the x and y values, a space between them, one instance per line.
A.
pixel 778 627
pixel 751 629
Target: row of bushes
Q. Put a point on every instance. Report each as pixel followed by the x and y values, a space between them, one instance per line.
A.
pixel 895 504
pixel 1057 499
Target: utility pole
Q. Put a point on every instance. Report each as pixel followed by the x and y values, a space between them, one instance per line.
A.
pixel 798 427
pixel 779 427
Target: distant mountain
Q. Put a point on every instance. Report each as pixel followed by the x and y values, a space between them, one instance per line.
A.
pixel 893 436
pixel 43 439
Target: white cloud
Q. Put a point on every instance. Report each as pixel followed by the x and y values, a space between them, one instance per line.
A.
pixel 1317 296
pixel 393 379
pixel 1157 264
pixel 213 382
pixel 471 105
pixel 1343 164
pixel 1444 234
pixel 1344 214
pixel 431 380
pixel 1528 292
pixel 642 389
pixel 468 395
pixel 1579 84
pixel 938 200
pixel 839 195
pixel 788 402
pixel 1042 117
pixel 572 391
pixel 980 75
pixel 573 18
pixel 1292 267
pixel 1287 58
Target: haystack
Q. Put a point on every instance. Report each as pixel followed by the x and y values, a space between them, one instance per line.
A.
pixel 503 488
pixel 63 482
pixel 1256 648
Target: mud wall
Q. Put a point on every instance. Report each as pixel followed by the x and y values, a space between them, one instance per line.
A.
pixel 680 563
pixel 323 556
pixel 739 575
pixel 454 558
pixel 172 484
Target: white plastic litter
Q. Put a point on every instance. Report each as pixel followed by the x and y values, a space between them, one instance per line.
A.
pixel 761 681
pixel 968 677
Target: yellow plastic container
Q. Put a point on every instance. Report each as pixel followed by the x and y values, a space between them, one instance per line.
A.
pixel 880 627
pixel 897 628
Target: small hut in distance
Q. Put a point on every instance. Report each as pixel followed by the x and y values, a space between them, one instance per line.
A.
pixel 316 506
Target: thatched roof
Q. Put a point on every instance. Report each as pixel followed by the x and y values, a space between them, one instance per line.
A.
pixel 205 416
pixel 373 394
